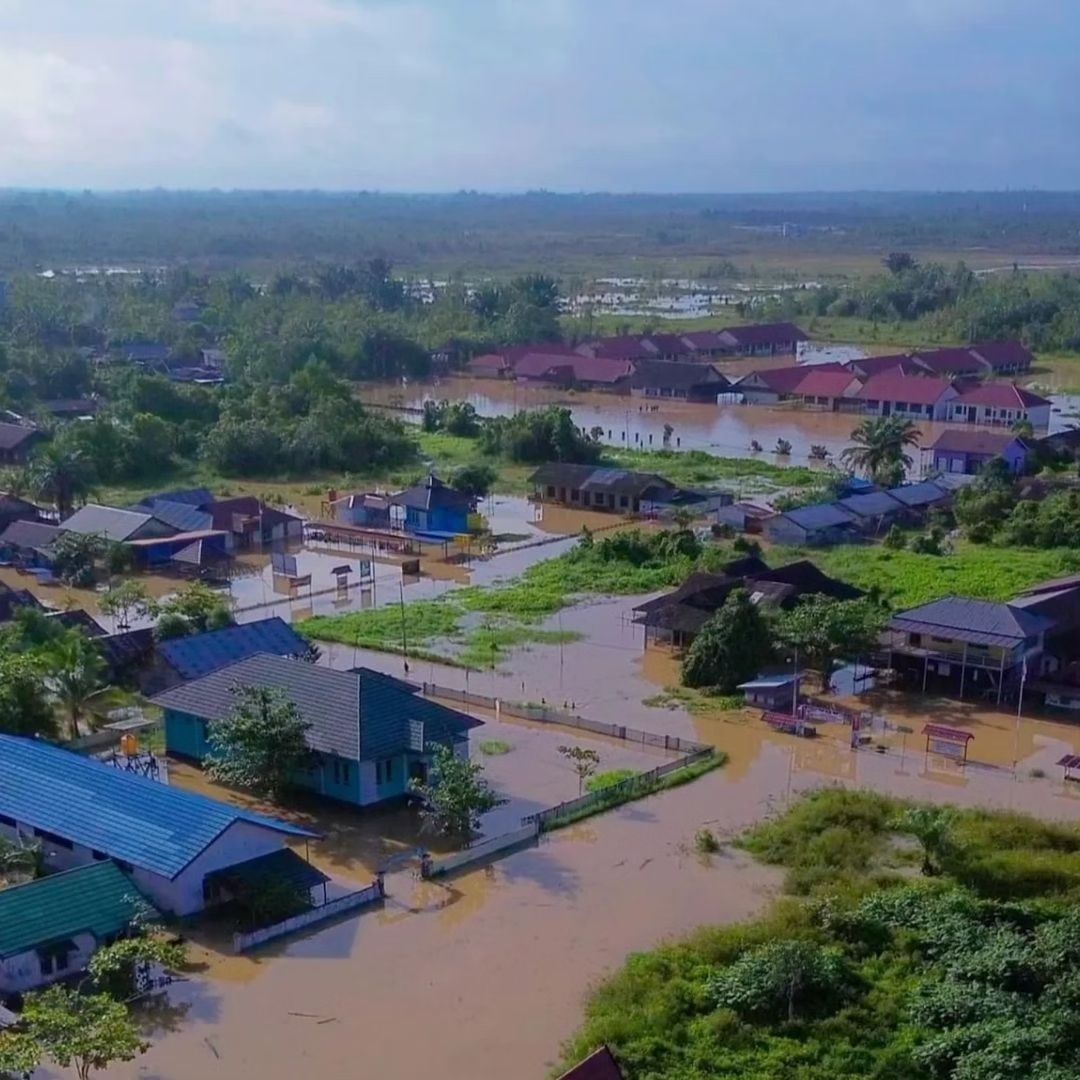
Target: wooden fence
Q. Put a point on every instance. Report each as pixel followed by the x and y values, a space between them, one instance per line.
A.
pixel 544 714
pixel 483 849
pixel 243 942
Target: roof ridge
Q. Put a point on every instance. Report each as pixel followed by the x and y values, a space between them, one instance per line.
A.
pixel 52 876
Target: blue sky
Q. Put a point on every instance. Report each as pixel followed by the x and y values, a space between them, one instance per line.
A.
pixel 436 95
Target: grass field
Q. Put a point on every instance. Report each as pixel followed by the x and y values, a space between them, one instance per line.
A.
pixel 907 579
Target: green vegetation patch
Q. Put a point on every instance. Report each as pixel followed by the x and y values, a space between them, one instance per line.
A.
pixel 604 780
pixel 963 971
pixel 906 578
pixel 495 747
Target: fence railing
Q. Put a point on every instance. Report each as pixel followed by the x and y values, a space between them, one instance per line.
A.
pixel 544 714
pixel 243 942
pixel 639 784
pixel 483 849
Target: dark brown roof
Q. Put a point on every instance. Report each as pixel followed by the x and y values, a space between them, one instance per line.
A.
pixel 14 435
pixel 599 1065
pixel 676 375
pixel 780 333
pixel 971 441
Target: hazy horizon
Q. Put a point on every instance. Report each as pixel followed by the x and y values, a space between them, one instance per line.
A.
pixel 425 96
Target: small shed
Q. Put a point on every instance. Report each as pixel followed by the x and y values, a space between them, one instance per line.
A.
pixel 774 693
pixel 820 524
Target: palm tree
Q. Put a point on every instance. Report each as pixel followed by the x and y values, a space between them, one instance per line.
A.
pixel 880 449
pixel 62 475
pixel 77 676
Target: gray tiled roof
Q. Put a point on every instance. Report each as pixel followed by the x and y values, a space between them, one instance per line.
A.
pixel 329 700
pixel 29 534
pixel 358 714
pixel 979 622
pixel 108 521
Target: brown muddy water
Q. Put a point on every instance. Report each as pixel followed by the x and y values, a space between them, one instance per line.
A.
pixel 494 965
pixel 725 430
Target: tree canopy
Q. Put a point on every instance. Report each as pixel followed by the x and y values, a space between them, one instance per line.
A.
pixel 731 648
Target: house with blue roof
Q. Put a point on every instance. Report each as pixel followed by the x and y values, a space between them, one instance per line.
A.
pixel 371 733
pixel 431 507
pixel 174 844
pixel 812 526
pixel 181 659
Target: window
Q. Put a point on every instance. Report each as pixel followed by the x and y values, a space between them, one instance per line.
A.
pixel 344 772
pixel 337 771
pixel 551 491
pixel 384 771
pixel 54 958
pixel 941 640
pixel 914 639
pixel 624 501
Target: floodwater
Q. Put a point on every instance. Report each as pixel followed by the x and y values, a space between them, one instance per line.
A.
pixel 725 430
pixel 495 964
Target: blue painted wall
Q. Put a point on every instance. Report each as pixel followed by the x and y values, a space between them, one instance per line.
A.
pixel 441 519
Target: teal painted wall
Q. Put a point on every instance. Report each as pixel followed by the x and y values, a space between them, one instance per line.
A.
pixel 185 735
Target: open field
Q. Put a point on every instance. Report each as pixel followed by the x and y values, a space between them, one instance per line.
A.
pixel 907 579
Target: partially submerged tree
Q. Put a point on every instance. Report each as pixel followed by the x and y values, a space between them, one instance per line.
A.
pixel 456 795
pixel 474 480
pixel 200 608
pixel 824 629
pixel 128 598
pixel 731 647
pixel 261 744
pixel 74 556
pixel 124 968
pixel 583 761
pixel 84 1032
pixel 880 449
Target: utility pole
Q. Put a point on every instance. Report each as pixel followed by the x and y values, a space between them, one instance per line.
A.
pixel 404 641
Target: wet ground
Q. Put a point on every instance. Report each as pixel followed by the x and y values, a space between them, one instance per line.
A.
pixel 495 963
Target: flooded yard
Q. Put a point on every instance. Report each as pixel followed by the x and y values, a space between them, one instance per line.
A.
pixel 497 961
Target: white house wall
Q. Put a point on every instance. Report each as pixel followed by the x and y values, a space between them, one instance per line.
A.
pixel 184 895
pixel 23 972
pixel 241 841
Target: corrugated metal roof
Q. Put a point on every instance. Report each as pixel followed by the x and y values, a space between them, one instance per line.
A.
pixel 872 504
pixel 181 516
pixel 98 899
pixel 14 435
pixel 599 1065
pixel 819 516
pixel 925 493
pixel 199 655
pixel 108 521
pixel 978 622
pixel 128 817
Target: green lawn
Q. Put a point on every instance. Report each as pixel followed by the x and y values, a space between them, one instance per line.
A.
pixel 906 579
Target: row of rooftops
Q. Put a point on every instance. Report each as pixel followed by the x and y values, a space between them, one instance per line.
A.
pixel 611 360
pixel 898 382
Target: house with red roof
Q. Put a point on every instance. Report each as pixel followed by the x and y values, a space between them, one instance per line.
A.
pixel 999 403
pixel 490 366
pixel 953 363
pixel 621 347
pixel 895 362
pixel 764 339
pixel 779 384
pixel 573 369
pixel 828 389
pixel 1004 357
pixel 918 397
